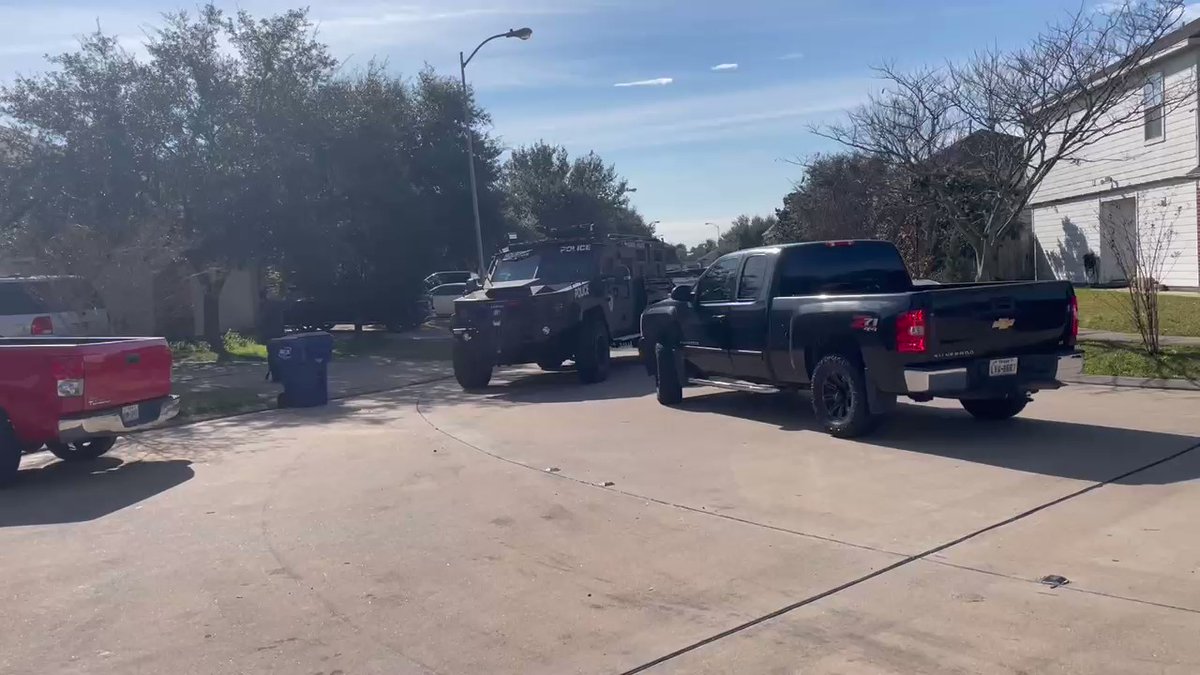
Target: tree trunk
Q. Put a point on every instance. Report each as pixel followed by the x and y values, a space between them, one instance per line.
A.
pixel 985 262
pixel 214 282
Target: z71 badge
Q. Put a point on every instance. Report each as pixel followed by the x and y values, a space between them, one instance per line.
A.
pixel 868 324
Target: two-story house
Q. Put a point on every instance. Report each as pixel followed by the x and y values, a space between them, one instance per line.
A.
pixel 1134 192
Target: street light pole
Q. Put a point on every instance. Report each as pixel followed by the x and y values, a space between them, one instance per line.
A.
pixel 471 168
pixel 520 34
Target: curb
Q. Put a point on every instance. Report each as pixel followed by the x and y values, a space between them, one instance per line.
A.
pixel 1132 382
pixel 189 421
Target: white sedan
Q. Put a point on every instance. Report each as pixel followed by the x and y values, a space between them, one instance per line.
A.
pixel 443 297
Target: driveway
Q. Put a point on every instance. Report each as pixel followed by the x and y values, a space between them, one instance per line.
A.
pixel 546 527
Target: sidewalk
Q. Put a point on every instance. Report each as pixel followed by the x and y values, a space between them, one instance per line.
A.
pixel 1108 336
pixel 216 390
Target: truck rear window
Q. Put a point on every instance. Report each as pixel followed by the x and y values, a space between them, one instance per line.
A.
pixel 844 269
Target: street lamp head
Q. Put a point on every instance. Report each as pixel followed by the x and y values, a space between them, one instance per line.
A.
pixel 520 33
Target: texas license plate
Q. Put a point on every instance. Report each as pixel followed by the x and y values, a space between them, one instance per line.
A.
pixel 1002 367
pixel 130 413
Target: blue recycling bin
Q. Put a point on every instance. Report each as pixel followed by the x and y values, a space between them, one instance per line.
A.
pixel 300 362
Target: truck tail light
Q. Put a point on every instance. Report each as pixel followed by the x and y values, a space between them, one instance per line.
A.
pixel 42 325
pixel 910 332
pixel 1073 317
pixel 68 377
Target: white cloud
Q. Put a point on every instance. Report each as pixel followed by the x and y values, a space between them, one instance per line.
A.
pixel 774 110
pixel 656 82
pixel 792 56
pixel 725 66
pixel 1191 12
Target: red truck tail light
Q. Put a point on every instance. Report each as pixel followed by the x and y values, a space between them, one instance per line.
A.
pixel 910 332
pixel 42 325
pixel 68 377
pixel 1073 317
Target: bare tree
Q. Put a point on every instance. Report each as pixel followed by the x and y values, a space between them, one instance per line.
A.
pixel 979 137
pixel 1143 249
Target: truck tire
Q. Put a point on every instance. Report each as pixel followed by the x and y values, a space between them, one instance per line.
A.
pixel 668 380
pixel 82 451
pixel 472 369
pixel 592 351
pixel 839 397
pixel 10 452
pixel 994 408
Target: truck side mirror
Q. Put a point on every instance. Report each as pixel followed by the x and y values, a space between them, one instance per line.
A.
pixel 682 293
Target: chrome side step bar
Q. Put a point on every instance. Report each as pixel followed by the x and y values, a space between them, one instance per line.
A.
pixel 735 385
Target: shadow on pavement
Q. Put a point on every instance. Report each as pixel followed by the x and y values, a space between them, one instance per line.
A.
pixel 75 492
pixel 523 386
pixel 1066 449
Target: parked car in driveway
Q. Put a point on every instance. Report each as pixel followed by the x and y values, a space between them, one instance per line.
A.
pixel 77 395
pixel 50 305
pixel 449 277
pixel 323 314
pixel 442 298
pixel 844 320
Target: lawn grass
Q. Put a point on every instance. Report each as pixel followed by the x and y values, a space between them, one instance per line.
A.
pixel 1131 360
pixel 1109 310
pixel 239 347
pixel 390 346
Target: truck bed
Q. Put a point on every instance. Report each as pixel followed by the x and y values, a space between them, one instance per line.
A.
pixel 985 319
pixel 100 374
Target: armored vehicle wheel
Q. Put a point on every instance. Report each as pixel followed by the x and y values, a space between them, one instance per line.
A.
pixel 592 351
pixel 472 369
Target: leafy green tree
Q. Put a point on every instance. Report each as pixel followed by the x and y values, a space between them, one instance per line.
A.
pixel 237 129
pixel 548 193
pixel 746 232
pixel 236 144
pixel 857 196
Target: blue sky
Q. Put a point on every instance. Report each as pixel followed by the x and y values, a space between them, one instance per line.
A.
pixel 706 146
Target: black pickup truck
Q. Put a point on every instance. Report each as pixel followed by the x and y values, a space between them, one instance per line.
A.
pixel 844 319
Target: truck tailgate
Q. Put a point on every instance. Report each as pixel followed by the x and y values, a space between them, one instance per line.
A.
pixel 125 371
pixel 987 319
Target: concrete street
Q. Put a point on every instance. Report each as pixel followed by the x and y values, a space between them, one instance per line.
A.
pixel 547 527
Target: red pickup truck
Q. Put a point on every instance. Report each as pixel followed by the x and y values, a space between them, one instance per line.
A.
pixel 76 395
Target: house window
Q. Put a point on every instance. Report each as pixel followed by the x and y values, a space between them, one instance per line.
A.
pixel 1153 107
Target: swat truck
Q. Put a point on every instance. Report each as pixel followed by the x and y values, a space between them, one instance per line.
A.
pixel 550 301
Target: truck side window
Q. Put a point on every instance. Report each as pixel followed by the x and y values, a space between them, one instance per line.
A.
pixel 719 281
pixel 753 273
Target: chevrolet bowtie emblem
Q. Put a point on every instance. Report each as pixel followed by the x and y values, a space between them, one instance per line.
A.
pixel 1003 324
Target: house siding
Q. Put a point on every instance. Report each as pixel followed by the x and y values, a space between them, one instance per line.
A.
pixel 1125 156
pixel 1067 230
